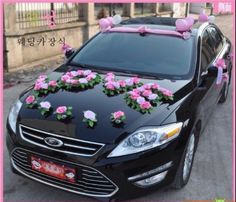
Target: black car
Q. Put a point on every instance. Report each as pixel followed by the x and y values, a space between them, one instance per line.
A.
pixel 146 149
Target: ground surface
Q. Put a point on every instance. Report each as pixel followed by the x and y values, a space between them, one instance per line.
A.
pixel 212 170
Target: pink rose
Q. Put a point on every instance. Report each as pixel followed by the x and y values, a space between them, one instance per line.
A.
pixel 147 86
pixel 145 105
pixel 44 86
pixel 155 86
pixel 30 99
pixel 136 80
pixel 91 76
pixel 61 109
pixel 74 81
pixel 146 93
pixel 109 86
pixel 110 74
pixel 136 91
pixel 37 86
pixel 45 105
pixel 166 92
pixel 52 83
pixel 73 73
pixel 122 83
pixel 65 78
pixel 116 84
pixel 80 72
pixel 134 96
pixel 118 114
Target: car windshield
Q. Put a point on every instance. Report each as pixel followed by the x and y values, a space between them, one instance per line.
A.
pixel 159 55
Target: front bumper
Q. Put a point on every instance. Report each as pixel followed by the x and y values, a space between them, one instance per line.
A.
pixel 117 171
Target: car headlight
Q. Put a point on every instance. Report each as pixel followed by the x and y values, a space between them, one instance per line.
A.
pixel 147 138
pixel 13 114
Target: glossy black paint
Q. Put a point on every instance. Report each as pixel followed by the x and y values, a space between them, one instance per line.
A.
pixel 194 101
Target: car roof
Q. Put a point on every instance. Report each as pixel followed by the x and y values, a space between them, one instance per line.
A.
pixel 164 23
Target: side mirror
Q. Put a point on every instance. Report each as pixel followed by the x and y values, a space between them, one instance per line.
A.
pixel 69 53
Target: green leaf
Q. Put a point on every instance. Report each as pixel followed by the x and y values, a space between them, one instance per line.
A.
pixel 91 124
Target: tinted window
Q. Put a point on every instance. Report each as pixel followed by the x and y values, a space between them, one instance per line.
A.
pixel 207 54
pixel 216 38
pixel 166 56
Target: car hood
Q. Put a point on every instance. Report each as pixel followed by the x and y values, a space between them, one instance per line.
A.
pixel 95 100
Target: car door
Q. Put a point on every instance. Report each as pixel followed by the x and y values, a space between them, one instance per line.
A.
pixel 207 81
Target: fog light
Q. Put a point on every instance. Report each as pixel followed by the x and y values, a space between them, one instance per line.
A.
pixel 151 172
pixel 152 180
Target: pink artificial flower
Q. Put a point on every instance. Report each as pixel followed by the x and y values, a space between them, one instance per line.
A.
pixel 166 92
pixel 52 83
pixel 136 80
pixel 80 72
pixel 141 89
pixel 30 99
pixel 90 115
pixel 37 86
pixel 91 76
pixel 65 78
pixel 146 93
pixel 134 96
pixel 74 81
pixel 110 74
pixel 42 77
pixel 122 83
pixel 140 100
pixel 136 91
pixel 145 105
pixel 146 86
pixel 61 109
pixel 155 86
pixel 45 105
pixel 109 86
pixel 118 114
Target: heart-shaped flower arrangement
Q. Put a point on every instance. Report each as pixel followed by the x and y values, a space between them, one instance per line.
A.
pixel 145 97
pixel 79 79
pixel 44 85
pixel 112 86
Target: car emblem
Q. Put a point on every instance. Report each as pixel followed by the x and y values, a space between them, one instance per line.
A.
pixel 53 142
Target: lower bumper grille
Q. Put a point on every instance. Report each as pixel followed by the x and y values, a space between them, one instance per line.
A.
pixel 90 182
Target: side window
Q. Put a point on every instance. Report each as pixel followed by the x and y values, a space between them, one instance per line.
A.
pixel 207 53
pixel 217 39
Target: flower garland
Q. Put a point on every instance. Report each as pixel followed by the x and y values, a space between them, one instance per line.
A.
pixel 141 97
pixel 113 87
pixel 145 97
pixel 79 79
pixel 43 85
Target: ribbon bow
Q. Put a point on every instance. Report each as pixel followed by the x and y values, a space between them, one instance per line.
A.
pixel 220 64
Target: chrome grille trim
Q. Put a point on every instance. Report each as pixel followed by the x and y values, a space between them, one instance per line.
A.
pixel 95 146
pixel 83 187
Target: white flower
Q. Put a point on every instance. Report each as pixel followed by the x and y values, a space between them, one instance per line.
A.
pixel 90 115
pixel 140 100
pixel 129 82
pixel 116 84
pixel 74 73
pixel 44 86
pixel 83 80
pixel 45 105
pixel 152 96
pixel 87 72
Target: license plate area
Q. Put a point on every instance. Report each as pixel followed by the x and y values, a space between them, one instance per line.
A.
pixel 53 169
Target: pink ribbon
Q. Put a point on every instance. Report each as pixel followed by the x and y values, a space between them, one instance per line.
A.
pixel 66 48
pixel 144 29
pixel 220 64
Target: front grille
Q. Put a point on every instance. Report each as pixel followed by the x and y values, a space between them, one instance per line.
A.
pixel 70 146
pixel 90 182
